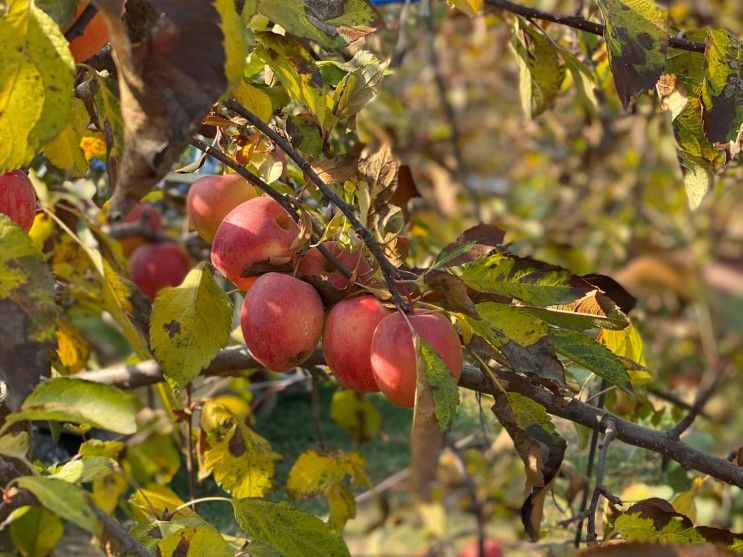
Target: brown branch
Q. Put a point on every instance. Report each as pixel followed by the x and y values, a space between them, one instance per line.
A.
pixel 389 271
pixel 609 434
pixel 128 229
pixel 704 393
pixel 236 358
pixel 582 24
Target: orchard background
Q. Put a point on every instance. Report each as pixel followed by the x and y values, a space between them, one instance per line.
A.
pixel 521 220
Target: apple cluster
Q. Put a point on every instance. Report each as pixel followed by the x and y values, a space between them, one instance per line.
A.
pixel 256 245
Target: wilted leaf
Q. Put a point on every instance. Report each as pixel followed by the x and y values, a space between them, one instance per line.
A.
pixel 474 243
pixel 359 86
pixel 189 324
pixel 168 81
pixel 241 460
pixel 75 401
pixel 540 72
pixel 36 532
pixel 637 39
pixel 355 414
pixel 286 531
pixel 27 327
pixel 378 172
pixel 63 499
pixel 194 541
pixel 526 279
pixel 330 24
pixel 722 92
pixel 593 311
pixel 539 446
pixel 36 81
pixel 452 290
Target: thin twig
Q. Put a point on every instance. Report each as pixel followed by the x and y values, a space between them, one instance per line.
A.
pixel 189 447
pixel 471 488
pixel 581 23
pixel 673 399
pixel 609 435
pixel 389 271
pixel 704 393
pixel 451 117
pixel 583 509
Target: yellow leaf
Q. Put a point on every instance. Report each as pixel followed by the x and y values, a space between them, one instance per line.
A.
pixel 36 80
pixel 356 414
pixel 157 502
pixel 194 541
pixel 235 46
pixel 64 151
pixel 470 7
pixel 313 473
pixel 255 100
pixel 72 347
pixel 241 460
pixel 36 532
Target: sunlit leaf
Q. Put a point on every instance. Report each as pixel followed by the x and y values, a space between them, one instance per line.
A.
pixel 194 541
pixel 286 531
pixel 35 82
pixel 722 91
pixel 356 414
pixel 189 324
pixel 76 401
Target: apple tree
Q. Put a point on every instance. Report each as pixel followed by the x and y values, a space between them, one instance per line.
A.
pixel 206 203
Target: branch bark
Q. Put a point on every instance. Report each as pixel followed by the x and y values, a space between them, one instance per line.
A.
pixel 237 358
pixel 582 24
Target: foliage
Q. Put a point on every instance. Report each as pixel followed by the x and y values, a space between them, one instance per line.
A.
pixel 323 107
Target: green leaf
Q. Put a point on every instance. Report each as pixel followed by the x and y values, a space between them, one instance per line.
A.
pixel 36 532
pixel 286 531
pixel 437 377
pixel 592 355
pixel 194 541
pixel 540 71
pixel 65 152
pixel 330 24
pixel 75 401
pixel 637 40
pixel 296 70
pixel 234 43
pixel 242 461
pixel 189 324
pixel 528 413
pixel 722 92
pixel 85 470
pixel 499 320
pixel 359 86
pixel 27 328
pixel 523 278
pixel 699 177
pixel 36 80
pixel 583 78
pixel 63 499
pixel 154 460
pixel 355 413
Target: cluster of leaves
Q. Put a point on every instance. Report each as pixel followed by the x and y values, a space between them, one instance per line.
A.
pixel 540 321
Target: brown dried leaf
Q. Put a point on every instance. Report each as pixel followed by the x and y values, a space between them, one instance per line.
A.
pixel 379 171
pixel 453 292
pixel 472 244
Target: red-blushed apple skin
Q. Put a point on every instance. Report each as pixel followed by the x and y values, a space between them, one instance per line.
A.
pixel 347 338
pixel 18 198
pixel 393 353
pixel 148 216
pixel 314 263
pixel 254 231
pixel 492 548
pixel 155 266
pixel 282 320
pixel 211 198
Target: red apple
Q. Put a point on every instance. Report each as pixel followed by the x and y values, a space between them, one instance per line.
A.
pixel 211 198
pixel 347 341
pixel 257 230
pixel 315 264
pixel 492 548
pixel 18 198
pixel 393 354
pixel 146 215
pixel 282 319
pixel 155 266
